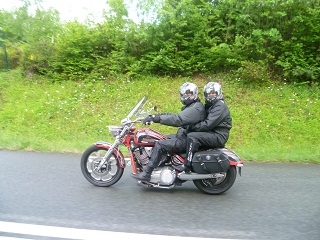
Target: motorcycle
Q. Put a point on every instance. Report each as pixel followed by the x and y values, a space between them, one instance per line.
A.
pixel 213 171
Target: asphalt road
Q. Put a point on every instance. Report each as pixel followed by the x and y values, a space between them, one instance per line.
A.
pixel 269 201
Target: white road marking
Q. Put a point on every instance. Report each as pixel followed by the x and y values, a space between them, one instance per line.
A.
pixel 12 238
pixel 81 234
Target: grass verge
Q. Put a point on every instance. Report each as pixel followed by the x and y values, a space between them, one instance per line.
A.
pixel 271 122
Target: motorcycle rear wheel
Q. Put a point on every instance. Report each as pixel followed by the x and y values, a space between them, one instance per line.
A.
pixel 217 186
pixel 109 174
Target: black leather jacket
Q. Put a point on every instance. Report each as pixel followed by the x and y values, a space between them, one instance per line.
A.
pixel 191 114
pixel 218 119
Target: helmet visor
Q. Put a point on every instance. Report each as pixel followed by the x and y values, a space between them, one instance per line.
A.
pixel 188 91
pixel 212 91
pixel 187 94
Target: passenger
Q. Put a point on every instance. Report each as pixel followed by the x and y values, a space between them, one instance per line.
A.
pixel 213 132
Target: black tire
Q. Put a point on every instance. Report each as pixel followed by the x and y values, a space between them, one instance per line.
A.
pixel 110 173
pixel 217 186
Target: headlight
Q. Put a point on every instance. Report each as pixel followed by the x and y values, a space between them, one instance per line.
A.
pixel 115 130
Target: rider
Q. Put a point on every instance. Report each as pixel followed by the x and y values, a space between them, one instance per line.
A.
pixel 213 132
pixel 192 112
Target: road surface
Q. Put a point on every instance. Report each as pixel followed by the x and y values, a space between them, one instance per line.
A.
pixel 44 193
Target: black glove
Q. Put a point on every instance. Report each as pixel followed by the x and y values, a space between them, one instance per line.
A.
pixel 147 120
pixel 156 118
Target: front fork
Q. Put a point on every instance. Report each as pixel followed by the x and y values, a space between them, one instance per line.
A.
pixel 112 148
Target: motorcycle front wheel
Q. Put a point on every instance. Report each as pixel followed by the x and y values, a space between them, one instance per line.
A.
pixel 110 172
pixel 219 185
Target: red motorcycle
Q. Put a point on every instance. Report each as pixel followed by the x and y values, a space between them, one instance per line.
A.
pixel 214 171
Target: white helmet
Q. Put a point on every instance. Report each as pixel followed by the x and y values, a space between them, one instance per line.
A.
pixel 188 93
pixel 212 91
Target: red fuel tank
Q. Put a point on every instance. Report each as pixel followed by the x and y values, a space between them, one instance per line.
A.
pixel 147 137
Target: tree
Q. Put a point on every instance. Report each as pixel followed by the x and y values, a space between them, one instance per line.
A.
pixel 30 37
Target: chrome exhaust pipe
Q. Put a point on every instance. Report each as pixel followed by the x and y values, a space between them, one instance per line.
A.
pixel 196 176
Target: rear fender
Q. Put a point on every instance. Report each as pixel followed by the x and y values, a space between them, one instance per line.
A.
pixel 234 159
pixel 116 152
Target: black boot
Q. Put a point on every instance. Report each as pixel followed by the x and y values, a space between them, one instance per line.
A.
pixel 144 176
pixel 187 162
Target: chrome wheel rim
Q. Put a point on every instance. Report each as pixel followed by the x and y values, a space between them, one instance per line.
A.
pixel 215 181
pixel 107 171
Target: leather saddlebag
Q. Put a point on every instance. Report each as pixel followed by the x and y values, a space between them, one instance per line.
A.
pixel 211 161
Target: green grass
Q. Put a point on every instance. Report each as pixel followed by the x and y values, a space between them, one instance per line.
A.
pixel 272 122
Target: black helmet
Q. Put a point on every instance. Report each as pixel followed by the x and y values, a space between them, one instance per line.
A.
pixel 188 93
pixel 212 91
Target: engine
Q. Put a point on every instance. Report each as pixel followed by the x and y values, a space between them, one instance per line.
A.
pixel 142 154
pixel 165 175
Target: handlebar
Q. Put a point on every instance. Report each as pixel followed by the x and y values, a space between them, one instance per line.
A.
pixel 127 121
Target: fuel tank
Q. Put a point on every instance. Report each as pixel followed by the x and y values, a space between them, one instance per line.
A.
pixel 147 137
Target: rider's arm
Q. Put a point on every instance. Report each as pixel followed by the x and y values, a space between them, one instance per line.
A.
pixel 189 115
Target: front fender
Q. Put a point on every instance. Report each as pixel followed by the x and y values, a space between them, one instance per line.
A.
pixel 116 152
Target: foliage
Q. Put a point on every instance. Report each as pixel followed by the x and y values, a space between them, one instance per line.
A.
pixel 73 55
pixel 278 38
pixel 29 39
